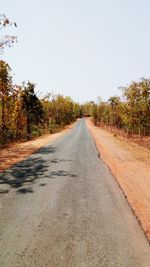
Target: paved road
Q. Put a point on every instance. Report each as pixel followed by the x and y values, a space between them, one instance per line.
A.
pixel 62 207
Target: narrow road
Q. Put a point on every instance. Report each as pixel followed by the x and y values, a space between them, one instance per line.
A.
pixel 63 208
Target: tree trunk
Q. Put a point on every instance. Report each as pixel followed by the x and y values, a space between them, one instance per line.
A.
pixel 28 128
pixel 3 121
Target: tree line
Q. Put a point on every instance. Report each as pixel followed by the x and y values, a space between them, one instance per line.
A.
pixel 130 112
pixel 23 115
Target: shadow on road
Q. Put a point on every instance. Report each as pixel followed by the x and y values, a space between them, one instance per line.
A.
pixel 28 171
pixel 46 150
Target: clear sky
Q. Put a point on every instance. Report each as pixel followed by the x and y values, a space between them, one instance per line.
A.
pixel 80 48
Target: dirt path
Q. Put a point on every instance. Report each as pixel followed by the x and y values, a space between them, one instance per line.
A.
pixel 17 152
pixel 130 164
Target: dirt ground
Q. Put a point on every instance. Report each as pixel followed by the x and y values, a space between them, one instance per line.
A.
pixel 19 151
pixel 130 164
pixel 143 141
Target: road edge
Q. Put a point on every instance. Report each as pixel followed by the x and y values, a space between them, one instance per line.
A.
pixel 13 155
pixel 147 235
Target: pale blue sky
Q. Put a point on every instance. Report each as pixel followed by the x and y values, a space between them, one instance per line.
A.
pixel 80 48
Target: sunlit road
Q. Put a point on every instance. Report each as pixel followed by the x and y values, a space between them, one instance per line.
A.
pixel 62 207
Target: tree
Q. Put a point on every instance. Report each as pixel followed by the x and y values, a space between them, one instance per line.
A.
pixel 6 40
pixel 5 92
pixel 103 113
pixel 32 107
pixel 137 112
pixel 144 85
pixel 77 110
pixel 115 111
pixel 95 113
pixel 18 120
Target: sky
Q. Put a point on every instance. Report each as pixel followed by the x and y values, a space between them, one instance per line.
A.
pixel 80 48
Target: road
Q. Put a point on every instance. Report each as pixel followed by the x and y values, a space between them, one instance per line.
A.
pixel 63 208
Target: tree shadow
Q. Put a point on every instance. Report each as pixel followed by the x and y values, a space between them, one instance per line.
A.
pixel 26 172
pixel 42 184
pixel 46 150
pixel 17 153
pixel 60 160
pixel 25 190
pixel 3 191
pixel 61 173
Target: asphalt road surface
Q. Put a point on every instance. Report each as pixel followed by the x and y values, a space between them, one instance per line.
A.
pixel 62 207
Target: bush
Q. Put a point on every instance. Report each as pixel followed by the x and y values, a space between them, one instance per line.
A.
pixel 36 131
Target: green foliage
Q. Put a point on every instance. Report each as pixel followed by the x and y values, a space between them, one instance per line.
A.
pixel 31 106
pixel 137 108
pixel 59 111
pixel 132 114
pixel 23 115
pixel 95 113
pixel 115 109
pixel 5 99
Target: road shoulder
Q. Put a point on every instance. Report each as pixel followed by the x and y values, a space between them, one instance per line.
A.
pixel 130 165
pixel 20 151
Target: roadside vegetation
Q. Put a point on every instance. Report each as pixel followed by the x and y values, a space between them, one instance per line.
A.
pixel 23 115
pixel 126 116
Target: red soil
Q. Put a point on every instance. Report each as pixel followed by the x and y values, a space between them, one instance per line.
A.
pixel 18 152
pixel 130 164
